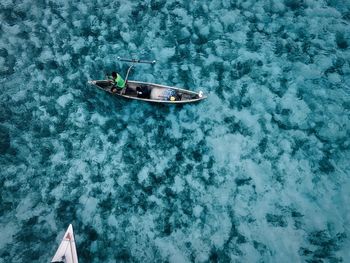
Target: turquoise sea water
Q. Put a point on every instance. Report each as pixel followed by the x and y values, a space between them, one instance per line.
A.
pixel 259 172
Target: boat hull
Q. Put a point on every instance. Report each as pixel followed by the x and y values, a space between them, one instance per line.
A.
pixel 67 251
pixel 150 92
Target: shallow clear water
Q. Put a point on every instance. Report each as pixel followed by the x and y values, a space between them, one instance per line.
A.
pixel 259 172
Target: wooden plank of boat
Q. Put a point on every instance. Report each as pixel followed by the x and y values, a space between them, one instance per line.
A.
pixel 150 92
pixel 66 252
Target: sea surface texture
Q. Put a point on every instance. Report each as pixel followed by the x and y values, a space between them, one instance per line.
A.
pixel 258 172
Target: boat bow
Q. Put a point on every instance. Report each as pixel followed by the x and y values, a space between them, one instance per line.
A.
pixel 67 251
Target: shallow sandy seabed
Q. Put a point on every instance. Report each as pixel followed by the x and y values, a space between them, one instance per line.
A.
pixel 259 172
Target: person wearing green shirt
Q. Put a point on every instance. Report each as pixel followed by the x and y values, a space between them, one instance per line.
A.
pixel 118 80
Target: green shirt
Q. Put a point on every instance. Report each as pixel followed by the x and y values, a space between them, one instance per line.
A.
pixel 119 81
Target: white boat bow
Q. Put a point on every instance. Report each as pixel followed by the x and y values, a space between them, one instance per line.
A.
pixel 66 252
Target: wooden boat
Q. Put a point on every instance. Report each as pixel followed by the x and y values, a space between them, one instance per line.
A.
pixel 150 92
pixel 66 252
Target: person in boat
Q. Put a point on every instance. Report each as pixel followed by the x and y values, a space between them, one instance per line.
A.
pixel 118 82
pixel 143 92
